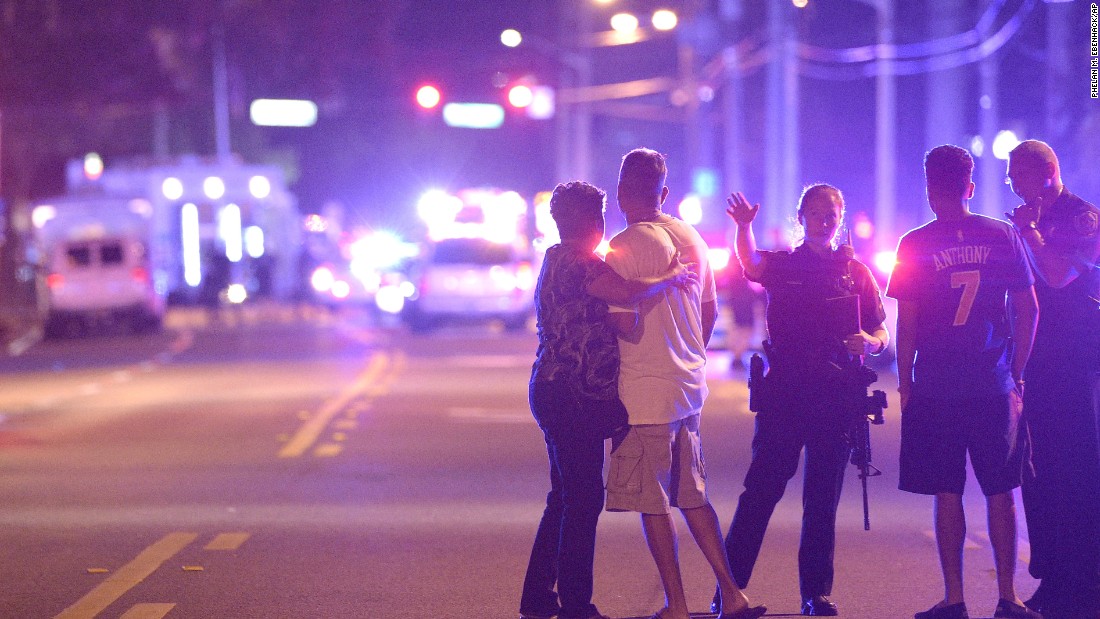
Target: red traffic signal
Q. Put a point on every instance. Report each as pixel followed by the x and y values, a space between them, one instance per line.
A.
pixel 428 96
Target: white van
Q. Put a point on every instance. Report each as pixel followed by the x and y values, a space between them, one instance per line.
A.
pixel 98 266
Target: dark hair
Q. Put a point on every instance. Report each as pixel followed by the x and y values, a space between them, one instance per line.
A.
pixel 948 170
pixel 642 174
pixel 575 206
pixel 811 192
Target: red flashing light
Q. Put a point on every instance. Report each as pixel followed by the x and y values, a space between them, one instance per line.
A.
pixel 428 96
pixel 55 280
pixel 520 96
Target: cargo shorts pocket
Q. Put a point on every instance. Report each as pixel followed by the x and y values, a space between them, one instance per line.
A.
pixel 626 473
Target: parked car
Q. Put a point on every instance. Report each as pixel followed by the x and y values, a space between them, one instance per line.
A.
pixel 472 279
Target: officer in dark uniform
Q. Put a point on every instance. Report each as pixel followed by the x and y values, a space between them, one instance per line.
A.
pixel 1062 394
pixel 813 332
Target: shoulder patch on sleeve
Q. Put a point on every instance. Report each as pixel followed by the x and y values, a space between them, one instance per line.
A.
pixel 1086 223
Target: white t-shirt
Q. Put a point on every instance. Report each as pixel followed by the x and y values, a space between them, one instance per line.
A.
pixel 663 368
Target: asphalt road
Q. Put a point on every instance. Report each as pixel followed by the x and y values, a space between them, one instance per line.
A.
pixel 296 464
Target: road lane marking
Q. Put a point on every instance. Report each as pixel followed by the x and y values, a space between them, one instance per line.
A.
pixel 328 450
pixel 227 541
pixel 311 430
pixel 148 611
pixel 128 576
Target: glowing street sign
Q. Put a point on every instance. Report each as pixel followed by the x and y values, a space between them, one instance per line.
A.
pixel 283 113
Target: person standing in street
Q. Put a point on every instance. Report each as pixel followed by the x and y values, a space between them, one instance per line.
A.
pixel 1062 398
pixel 961 353
pixel 574 397
pixel 806 351
pixel 658 463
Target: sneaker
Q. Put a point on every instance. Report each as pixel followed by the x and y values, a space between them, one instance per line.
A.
pixel 1011 610
pixel 952 611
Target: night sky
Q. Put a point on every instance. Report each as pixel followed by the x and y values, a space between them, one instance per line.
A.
pixel 82 76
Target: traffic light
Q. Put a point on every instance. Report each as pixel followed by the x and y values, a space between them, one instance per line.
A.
pixel 520 96
pixel 531 99
pixel 428 96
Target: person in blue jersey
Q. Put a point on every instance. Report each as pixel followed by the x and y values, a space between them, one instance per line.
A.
pixel 806 350
pixel 574 396
pixel 961 352
pixel 1062 399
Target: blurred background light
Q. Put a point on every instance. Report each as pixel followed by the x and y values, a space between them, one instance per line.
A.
pixel 1003 144
pixel 283 113
pixel 213 187
pixel 664 19
pixel 624 23
pixel 172 188
pixel 511 38
pixel 428 96
pixel 259 187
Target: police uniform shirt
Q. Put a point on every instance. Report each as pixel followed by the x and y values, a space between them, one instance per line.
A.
pixel 801 318
pixel 1069 317
pixel 958 273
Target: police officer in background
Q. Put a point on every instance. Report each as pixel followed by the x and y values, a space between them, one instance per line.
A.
pixel 1062 393
pixel 808 289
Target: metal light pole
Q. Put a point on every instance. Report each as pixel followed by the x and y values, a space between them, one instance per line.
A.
pixel 885 127
pixel 781 120
pixel 221 87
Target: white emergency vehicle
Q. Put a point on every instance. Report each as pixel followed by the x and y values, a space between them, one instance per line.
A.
pixel 477 262
pixel 215 226
pixel 96 251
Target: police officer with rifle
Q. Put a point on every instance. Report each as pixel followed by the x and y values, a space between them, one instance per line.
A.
pixel 824 313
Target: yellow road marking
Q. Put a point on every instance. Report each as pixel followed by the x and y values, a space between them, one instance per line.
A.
pixel 147 611
pixel 193 568
pixel 127 577
pixel 313 427
pixel 328 450
pixel 227 541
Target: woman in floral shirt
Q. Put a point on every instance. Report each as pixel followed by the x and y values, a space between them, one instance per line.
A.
pixel 574 396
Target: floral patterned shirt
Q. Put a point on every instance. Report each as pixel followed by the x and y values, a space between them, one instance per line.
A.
pixel 576 343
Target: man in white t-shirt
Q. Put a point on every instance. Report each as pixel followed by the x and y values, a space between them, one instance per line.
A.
pixel 658 464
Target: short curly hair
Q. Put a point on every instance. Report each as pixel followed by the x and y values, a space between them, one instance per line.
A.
pixel 948 170
pixel 576 207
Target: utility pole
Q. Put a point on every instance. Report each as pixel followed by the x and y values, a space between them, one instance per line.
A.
pixel 781 120
pixel 885 127
pixel 221 86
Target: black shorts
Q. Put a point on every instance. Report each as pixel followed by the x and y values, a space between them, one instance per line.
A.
pixel 936 436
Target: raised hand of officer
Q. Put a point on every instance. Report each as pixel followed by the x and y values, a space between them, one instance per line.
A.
pixel 1025 215
pixel 739 209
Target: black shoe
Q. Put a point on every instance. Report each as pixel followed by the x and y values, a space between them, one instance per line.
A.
pixel 1011 610
pixel 819 606
pixel 716 602
pixel 1035 602
pixel 953 611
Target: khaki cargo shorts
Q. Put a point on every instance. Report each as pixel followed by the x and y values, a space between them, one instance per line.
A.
pixel 657 467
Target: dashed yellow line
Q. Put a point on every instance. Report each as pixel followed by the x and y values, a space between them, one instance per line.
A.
pixel 227 541
pixel 127 577
pixel 148 611
pixel 312 429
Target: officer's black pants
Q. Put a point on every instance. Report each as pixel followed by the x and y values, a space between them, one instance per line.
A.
pixel 1062 500
pixel 776 446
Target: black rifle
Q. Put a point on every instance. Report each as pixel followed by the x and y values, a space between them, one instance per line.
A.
pixel 862 410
